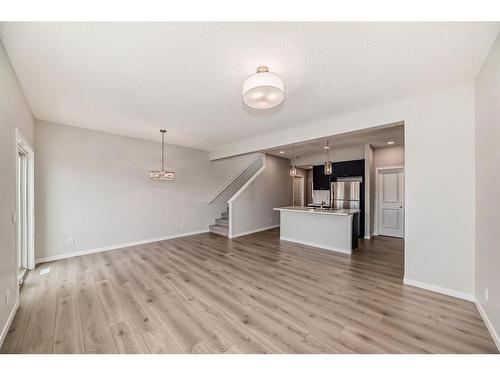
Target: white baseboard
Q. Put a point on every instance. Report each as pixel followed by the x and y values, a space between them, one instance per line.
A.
pixel 253 231
pixel 491 329
pixel 117 246
pixel 6 328
pixel 439 289
pixel 348 252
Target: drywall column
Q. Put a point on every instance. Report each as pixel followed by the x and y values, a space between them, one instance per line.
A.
pixel 14 113
pixel 369 186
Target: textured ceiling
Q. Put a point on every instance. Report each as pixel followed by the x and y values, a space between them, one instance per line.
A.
pixel 134 78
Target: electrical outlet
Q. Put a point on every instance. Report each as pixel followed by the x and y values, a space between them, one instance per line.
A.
pixel 183 225
pixel 270 219
pixel 14 218
pixel 71 241
pixel 486 294
pixel 7 297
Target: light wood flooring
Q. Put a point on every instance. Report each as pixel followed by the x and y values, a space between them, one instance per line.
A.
pixel 255 294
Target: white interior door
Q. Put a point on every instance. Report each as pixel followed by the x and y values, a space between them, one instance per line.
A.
pixel 22 214
pixel 25 218
pixel 298 191
pixel 391 202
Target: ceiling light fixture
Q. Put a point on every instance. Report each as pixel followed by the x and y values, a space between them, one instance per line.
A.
pixel 328 163
pixel 162 174
pixel 391 142
pixel 282 152
pixel 263 90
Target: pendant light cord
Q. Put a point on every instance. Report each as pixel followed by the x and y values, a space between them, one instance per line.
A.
pixel 163 131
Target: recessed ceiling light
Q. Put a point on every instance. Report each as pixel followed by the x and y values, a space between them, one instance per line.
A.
pixel 326 147
pixel 391 142
pixel 263 89
pixel 282 152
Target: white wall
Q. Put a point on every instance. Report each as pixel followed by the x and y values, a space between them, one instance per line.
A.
pixel 95 187
pixel 388 156
pixel 487 261
pixel 439 252
pixel 14 113
pixel 253 209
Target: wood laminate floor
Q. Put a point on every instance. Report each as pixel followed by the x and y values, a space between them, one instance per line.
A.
pixel 255 294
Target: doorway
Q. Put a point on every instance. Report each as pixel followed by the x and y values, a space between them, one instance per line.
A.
pixel 25 254
pixel 298 191
pixel 390 201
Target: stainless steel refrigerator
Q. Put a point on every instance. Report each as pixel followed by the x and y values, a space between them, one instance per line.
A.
pixel 345 193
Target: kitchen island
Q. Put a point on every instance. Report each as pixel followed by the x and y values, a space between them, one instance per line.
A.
pixel 335 230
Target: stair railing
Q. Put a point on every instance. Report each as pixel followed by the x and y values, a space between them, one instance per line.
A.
pixel 230 181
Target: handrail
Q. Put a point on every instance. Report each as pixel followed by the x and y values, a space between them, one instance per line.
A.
pixel 239 192
pixel 224 187
pixel 248 183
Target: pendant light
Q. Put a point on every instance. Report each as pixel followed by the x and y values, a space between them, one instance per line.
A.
pixel 263 90
pixel 328 163
pixel 293 168
pixel 162 174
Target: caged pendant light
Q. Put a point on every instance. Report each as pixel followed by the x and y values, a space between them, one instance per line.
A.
pixel 162 174
pixel 293 168
pixel 328 163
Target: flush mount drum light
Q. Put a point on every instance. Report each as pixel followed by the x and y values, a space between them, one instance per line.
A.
pixel 162 174
pixel 263 89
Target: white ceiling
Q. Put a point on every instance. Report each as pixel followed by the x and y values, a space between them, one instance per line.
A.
pixel 134 78
pixel 377 137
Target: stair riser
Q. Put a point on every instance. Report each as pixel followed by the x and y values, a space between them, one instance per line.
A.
pixel 219 230
pixel 222 222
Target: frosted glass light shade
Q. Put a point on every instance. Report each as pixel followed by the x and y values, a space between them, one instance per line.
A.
pixel 263 90
pixel 162 175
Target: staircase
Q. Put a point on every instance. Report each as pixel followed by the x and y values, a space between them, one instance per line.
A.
pixel 221 225
pixel 231 190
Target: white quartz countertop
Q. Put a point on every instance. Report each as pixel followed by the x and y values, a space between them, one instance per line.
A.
pixel 311 210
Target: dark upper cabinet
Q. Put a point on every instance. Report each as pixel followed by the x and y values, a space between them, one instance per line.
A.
pixel 338 169
pixel 355 168
pixel 321 181
pixel 351 168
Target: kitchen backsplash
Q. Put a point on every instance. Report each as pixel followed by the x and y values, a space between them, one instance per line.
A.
pixel 321 196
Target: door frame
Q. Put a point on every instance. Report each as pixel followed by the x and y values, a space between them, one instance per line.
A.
pixel 375 219
pixel 302 190
pixel 22 145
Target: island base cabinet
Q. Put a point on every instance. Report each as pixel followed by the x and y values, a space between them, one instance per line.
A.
pixel 330 232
